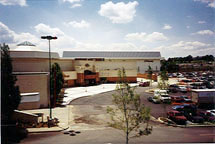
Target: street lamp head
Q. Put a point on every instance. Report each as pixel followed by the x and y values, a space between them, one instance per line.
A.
pixel 48 37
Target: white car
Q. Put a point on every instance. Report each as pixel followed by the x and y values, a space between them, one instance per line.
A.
pixel 182 89
pixel 212 112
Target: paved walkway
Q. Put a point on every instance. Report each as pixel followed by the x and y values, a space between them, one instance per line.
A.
pixel 63 114
pixel 77 92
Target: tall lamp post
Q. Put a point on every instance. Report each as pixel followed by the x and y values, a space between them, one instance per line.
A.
pixel 50 98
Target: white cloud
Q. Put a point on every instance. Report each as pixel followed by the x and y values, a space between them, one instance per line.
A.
pixel 63 43
pixel 119 12
pixel 204 32
pixel 210 3
pixel 136 36
pixel 13 2
pixel 81 24
pixel 201 22
pixel 156 36
pixel 76 5
pixel 6 35
pixel 187 27
pixel 71 1
pixel 43 29
pixel 167 27
pixel 153 37
pixel 182 45
pixel 9 36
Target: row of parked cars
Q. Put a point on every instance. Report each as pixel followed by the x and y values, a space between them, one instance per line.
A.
pixel 184 109
pixel 161 96
pixel 193 80
pixel 180 114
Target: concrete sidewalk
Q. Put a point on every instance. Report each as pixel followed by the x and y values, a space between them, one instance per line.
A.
pixel 63 114
pixel 78 92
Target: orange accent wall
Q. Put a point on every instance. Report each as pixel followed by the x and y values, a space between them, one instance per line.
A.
pixel 115 79
pixel 80 78
pixel 97 77
pixel 145 75
pixel 71 83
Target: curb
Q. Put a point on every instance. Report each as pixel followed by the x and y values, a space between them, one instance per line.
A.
pixel 184 126
pixel 53 129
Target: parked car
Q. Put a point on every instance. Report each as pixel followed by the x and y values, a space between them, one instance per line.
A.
pixel 182 89
pixel 173 88
pixel 162 95
pixel 156 100
pixel 186 108
pixel 150 99
pixel 207 116
pixel 177 117
pixel 144 84
pixel 194 118
pixel 165 98
pixel 212 111
pixel 186 99
pixel 177 99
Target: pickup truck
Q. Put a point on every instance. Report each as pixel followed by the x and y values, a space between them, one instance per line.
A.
pixel 162 95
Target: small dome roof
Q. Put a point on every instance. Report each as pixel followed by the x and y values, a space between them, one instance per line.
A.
pixel 26 43
pixel 26 46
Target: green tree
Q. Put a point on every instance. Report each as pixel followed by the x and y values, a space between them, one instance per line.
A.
pixel 149 74
pixel 163 83
pixel 129 114
pixel 57 82
pixel 10 95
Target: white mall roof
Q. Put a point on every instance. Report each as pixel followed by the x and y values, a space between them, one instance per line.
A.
pixel 29 50
pixel 112 54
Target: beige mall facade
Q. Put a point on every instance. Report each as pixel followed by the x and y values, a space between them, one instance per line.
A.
pixel 80 68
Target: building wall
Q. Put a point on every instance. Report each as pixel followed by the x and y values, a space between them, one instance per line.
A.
pixel 113 64
pixel 144 65
pixel 30 65
pixel 65 64
pixel 34 83
pixel 114 73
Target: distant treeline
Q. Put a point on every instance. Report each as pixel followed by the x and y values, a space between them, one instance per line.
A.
pixel 171 65
pixel 189 58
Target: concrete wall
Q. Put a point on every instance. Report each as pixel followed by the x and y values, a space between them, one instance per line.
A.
pixel 34 83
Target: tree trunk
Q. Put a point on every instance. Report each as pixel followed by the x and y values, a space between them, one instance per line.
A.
pixel 127 138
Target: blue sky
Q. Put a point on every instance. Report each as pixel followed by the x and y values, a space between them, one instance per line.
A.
pixel 173 27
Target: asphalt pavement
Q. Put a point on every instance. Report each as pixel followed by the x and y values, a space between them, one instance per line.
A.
pixel 89 117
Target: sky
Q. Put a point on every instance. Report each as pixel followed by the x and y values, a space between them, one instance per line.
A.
pixel 173 27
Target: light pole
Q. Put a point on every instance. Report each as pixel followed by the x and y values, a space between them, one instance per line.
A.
pixel 50 98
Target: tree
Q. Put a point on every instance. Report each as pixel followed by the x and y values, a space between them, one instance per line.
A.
pixel 57 82
pixel 10 95
pixel 163 84
pixel 129 114
pixel 149 74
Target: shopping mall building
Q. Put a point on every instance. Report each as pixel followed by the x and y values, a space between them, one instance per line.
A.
pixel 80 68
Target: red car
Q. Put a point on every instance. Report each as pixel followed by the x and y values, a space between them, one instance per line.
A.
pixel 177 117
pixel 144 84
